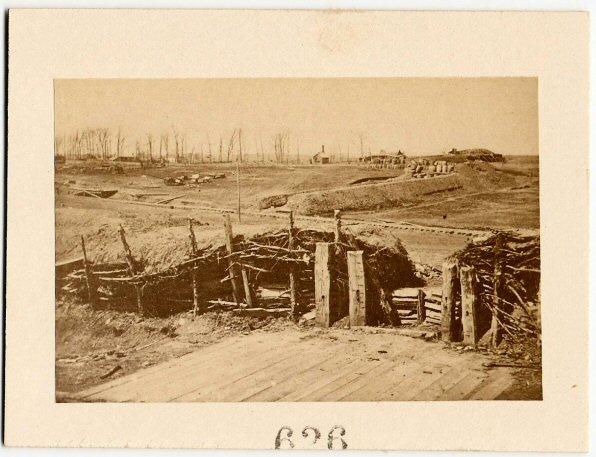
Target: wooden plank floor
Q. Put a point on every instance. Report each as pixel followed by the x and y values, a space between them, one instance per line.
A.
pixel 312 365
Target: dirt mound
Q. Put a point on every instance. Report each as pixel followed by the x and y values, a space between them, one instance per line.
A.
pixel 469 177
pixel 273 201
pixel 375 196
pixel 482 176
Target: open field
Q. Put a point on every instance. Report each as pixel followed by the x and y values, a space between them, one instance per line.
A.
pixel 500 196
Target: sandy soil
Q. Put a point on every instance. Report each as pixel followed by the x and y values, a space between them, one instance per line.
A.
pixel 92 346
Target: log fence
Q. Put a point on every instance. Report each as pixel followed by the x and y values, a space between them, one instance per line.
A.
pixel 354 293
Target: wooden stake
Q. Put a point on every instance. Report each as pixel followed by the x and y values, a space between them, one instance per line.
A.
pixel 131 268
pixel 247 290
pixel 293 300
pixel 468 304
pixel 324 297
pixel 88 275
pixel 238 188
pixel 337 231
pixel 195 282
pixel 421 309
pixel 357 288
pixel 497 285
pixel 234 274
pixel 448 301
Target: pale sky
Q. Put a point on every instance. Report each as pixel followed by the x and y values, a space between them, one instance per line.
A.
pixel 416 115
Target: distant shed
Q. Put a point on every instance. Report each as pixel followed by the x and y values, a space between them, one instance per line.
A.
pixel 321 157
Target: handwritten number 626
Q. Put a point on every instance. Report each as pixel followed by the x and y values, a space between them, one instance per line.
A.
pixel 334 437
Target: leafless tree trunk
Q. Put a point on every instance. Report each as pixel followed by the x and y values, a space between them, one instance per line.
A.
pixel 150 144
pixel 280 145
pixel 120 140
pixel 231 145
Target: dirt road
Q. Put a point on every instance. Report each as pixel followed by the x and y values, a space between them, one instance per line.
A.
pixel 313 365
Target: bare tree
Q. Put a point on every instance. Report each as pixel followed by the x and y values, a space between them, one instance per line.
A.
pixel 103 142
pixel 150 145
pixel 138 150
pixel 281 145
pixel 209 151
pixel 58 140
pixel 177 144
pixel 239 146
pixel 231 144
pixel 120 140
pixel 164 145
pixel 220 149
pixel 361 137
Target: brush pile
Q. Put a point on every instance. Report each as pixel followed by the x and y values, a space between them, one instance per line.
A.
pixel 163 272
pixel 508 272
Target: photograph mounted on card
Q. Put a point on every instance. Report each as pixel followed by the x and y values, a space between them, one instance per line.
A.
pixel 321 225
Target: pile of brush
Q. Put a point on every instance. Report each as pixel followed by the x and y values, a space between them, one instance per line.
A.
pixel 507 268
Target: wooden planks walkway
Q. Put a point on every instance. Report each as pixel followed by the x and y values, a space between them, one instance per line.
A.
pixel 312 365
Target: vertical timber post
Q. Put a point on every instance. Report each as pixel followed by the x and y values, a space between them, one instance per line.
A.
pixel 88 275
pixel 247 291
pixel 293 299
pixel 495 331
pixel 132 269
pixel 234 275
pixel 448 301
pixel 195 282
pixel 468 304
pixel 421 316
pixel 337 227
pixel 357 282
pixel 324 296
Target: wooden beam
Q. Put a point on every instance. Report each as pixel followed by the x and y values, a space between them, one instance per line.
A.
pixel 88 275
pixel 448 301
pixel 357 288
pixel 234 273
pixel 195 280
pixel 293 299
pixel 247 290
pixel 468 304
pixel 132 269
pixel 169 199
pixel 495 330
pixel 421 308
pixel 337 225
pixel 324 296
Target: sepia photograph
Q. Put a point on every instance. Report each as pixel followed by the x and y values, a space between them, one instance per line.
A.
pixel 297 240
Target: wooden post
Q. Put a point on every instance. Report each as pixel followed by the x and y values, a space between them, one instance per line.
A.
pixel 357 291
pixel 234 274
pixel 337 231
pixel 495 330
pixel 238 187
pixel 448 301
pixel 421 309
pixel 195 282
pixel 88 275
pixel 293 300
pixel 127 252
pixel 324 296
pixel 131 269
pixel 247 291
pixel 467 277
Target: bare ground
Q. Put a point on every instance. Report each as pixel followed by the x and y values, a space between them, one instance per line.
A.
pixel 91 344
